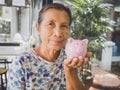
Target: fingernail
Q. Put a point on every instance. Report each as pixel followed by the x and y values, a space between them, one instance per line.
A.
pixel 80 57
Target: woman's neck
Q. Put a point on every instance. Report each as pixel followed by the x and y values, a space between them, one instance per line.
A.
pixel 46 53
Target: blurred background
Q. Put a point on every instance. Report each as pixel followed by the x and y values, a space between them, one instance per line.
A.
pixel 96 20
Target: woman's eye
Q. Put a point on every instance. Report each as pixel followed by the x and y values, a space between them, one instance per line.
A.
pixel 65 26
pixel 50 24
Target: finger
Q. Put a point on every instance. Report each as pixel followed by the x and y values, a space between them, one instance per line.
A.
pixel 89 54
pixel 67 61
pixel 80 61
pixel 85 61
pixel 80 64
pixel 74 62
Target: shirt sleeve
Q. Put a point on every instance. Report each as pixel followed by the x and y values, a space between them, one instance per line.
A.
pixel 16 79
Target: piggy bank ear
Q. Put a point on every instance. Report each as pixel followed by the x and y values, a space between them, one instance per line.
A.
pixel 70 40
pixel 85 41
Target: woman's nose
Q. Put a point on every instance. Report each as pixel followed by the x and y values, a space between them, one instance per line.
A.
pixel 58 32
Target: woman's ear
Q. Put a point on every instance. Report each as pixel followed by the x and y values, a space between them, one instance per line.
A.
pixel 37 28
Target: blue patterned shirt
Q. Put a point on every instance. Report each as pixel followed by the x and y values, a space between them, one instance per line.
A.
pixel 31 72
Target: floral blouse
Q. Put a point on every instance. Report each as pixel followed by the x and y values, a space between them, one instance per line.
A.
pixel 31 72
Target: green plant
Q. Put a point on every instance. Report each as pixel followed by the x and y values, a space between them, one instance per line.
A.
pixel 91 21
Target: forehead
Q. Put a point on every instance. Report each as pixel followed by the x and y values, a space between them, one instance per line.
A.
pixel 55 11
pixel 56 14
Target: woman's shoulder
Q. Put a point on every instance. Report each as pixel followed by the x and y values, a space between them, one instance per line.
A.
pixel 25 56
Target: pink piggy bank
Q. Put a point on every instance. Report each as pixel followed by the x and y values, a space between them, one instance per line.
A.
pixel 75 48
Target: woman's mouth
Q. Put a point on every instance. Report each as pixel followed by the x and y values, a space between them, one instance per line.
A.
pixel 57 41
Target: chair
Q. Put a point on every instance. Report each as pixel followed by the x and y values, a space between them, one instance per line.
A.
pixel 3 73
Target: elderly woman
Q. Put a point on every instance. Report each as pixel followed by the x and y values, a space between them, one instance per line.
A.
pixel 45 67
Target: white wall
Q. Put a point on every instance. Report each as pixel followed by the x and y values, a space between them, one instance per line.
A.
pixel 14 24
pixel 25 23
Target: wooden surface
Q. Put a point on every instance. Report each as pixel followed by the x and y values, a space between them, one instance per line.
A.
pixel 104 80
pixel 3 70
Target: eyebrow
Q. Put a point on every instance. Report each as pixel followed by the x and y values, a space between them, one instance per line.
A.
pixel 65 23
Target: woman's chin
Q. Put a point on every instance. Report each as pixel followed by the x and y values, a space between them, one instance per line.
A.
pixel 57 48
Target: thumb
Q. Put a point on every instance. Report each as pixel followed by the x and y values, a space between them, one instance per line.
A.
pixel 67 61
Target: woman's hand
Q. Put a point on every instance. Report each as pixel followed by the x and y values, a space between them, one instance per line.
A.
pixel 70 69
pixel 77 62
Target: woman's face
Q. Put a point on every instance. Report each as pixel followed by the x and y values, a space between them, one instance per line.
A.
pixel 54 29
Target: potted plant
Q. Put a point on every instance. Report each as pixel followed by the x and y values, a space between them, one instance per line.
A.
pixel 91 20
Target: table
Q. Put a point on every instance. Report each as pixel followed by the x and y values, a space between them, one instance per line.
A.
pixel 104 80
